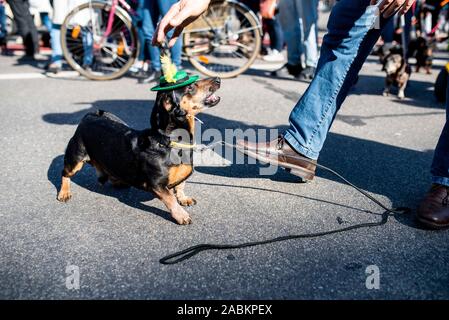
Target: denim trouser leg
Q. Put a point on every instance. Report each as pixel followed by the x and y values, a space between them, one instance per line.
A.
pixel 275 31
pixel 88 43
pixel 176 51
pixel 388 32
pixel 440 165
pixel 308 10
pixel 289 19
pixel 150 16
pixel 345 48
pixel 150 13
pixel 56 49
pixel 2 22
pixel 299 22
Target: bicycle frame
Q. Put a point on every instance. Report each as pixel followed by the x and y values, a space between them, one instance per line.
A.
pixel 115 5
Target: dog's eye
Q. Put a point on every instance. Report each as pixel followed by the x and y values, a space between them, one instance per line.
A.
pixel 190 89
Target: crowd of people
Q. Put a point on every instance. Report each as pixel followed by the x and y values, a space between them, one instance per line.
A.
pixel 290 23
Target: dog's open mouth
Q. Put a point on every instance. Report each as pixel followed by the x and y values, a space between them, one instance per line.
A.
pixel 212 100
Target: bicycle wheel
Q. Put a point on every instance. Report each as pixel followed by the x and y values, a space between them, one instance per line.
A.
pixel 224 41
pixel 87 49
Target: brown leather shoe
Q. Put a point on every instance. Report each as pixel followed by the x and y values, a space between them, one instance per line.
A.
pixel 433 211
pixel 279 153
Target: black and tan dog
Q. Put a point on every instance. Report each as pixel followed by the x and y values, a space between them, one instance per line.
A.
pixel 422 50
pixel 397 73
pixel 149 159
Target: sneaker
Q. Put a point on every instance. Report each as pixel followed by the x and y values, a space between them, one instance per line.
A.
pixel 288 69
pixel 136 67
pixel 152 76
pixel 54 67
pixel 274 56
pixel 307 74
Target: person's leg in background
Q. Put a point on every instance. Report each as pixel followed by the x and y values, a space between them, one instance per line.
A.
pixel 388 33
pixel 176 50
pixel 274 29
pixel 88 43
pixel 3 32
pixel 25 25
pixel 289 20
pixel 56 50
pixel 137 67
pixel 352 33
pixel 433 210
pixel 308 13
pixel 150 13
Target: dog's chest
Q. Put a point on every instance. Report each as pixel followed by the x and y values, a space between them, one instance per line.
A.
pixel 179 173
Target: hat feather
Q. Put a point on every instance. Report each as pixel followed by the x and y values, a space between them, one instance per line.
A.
pixel 169 69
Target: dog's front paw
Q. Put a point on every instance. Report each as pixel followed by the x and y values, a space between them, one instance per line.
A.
pixel 386 93
pixel 64 196
pixel 187 201
pixel 401 96
pixel 181 217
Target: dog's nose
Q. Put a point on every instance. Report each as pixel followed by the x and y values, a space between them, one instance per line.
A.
pixel 217 80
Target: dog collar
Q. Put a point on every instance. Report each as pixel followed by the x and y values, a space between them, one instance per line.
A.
pixel 179 145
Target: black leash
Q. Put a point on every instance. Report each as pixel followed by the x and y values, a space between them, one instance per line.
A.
pixel 194 250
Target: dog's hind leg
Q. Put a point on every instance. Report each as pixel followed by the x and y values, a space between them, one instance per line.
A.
pixel 401 93
pixel 177 212
pixel 102 176
pixel 74 159
pixel 183 200
pixel 386 92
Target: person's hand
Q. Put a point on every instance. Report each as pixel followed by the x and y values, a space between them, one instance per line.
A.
pixel 389 7
pixel 178 17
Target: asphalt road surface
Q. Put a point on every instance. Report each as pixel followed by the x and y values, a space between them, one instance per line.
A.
pixel 115 238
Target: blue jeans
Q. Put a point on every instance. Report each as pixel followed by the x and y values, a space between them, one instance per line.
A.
pixel 440 164
pixel 346 46
pixel 2 22
pixel 275 31
pixel 299 22
pixel 151 12
pixel 56 49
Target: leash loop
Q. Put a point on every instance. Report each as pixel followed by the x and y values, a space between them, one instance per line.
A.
pixel 189 252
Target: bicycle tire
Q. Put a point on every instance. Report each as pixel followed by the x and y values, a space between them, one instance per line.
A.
pixel 68 56
pixel 255 25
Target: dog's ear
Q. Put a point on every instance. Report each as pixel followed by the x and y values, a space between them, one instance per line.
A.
pixel 167 101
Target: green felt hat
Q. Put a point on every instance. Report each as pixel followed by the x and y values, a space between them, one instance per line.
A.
pixel 181 79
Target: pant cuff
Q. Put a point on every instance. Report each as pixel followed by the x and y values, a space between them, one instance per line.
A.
pixel 441 180
pixel 299 148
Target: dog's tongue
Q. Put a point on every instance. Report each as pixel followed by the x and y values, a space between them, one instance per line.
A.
pixel 212 99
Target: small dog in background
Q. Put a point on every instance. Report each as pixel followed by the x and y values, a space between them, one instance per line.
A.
pixel 422 51
pixel 398 73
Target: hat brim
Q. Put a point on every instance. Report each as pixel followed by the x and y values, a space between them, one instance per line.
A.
pixel 191 79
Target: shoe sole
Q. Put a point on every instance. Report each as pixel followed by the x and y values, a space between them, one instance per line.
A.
pixel 431 224
pixel 298 171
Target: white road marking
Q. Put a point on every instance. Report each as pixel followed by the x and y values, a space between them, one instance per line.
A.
pixel 17 76
pixel 35 75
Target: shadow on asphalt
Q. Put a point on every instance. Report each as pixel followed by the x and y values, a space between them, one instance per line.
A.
pixel 134 112
pixel 86 179
pixel 418 93
pixel 397 173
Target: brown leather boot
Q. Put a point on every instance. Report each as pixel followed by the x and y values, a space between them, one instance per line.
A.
pixel 433 211
pixel 279 153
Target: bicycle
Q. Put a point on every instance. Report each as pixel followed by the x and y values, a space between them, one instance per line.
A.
pixel 99 39
pixel 225 40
